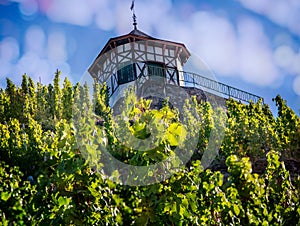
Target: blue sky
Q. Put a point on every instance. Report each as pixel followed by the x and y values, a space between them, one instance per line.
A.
pixel 250 44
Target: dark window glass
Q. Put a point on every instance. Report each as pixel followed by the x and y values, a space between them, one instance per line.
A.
pixel 126 74
pixel 156 68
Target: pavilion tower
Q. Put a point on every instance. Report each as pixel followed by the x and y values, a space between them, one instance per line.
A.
pixel 136 58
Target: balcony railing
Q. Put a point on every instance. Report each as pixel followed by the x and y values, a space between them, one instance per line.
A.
pixel 188 79
pixel 210 85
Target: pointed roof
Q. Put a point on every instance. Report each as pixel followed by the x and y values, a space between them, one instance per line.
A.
pixel 140 33
pixel 133 36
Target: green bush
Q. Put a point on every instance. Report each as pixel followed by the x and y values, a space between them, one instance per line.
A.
pixel 49 176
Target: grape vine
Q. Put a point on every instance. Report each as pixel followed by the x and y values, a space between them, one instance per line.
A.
pixel 46 176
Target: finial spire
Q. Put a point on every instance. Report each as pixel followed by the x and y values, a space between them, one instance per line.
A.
pixel 133 15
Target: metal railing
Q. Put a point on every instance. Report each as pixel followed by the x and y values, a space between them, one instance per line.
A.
pixel 199 81
pixel 188 79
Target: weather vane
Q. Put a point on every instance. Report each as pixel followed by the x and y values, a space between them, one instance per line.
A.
pixel 133 15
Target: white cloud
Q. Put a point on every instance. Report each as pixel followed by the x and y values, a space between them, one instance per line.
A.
pixel 76 12
pixel 151 12
pixel 5 69
pixel 283 12
pixel 41 55
pixel 255 54
pixel 56 47
pixel 296 63
pixel 105 19
pixel 284 56
pixel 83 13
pixel 227 50
pixel 9 49
pixel 215 40
pixel 28 7
pixel 106 14
pixel 35 40
pixel 123 17
pixel 296 85
pixel 287 59
pixel 28 63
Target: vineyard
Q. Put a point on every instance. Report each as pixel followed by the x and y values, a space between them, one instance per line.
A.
pixel 50 173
